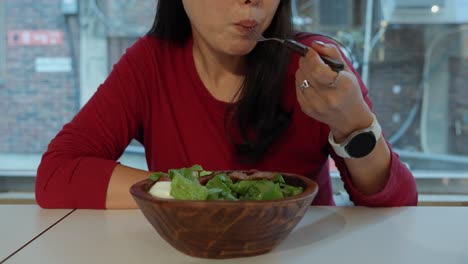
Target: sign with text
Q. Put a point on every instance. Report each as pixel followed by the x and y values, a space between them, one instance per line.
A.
pixel 35 37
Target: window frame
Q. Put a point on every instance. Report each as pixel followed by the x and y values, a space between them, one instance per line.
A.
pixel 2 42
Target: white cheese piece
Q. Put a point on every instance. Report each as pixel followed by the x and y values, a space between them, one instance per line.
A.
pixel 161 189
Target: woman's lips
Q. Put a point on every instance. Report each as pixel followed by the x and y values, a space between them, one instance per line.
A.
pixel 248 23
pixel 243 30
pixel 246 26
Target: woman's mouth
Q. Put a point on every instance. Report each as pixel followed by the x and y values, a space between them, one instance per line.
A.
pixel 244 30
pixel 247 23
pixel 246 26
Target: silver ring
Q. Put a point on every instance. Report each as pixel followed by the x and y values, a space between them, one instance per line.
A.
pixel 335 81
pixel 305 84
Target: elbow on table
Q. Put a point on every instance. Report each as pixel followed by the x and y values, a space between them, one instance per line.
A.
pixel 409 197
pixel 72 182
pixel 413 200
pixel 45 198
pixel 47 195
pixel 408 192
pixel 51 199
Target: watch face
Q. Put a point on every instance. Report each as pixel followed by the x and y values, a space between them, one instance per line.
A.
pixel 361 145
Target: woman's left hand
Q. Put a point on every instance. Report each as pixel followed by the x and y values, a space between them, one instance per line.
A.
pixel 331 98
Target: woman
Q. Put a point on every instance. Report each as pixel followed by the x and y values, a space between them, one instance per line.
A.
pixel 198 90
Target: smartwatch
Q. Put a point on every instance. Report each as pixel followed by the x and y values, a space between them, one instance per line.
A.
pixel 360 143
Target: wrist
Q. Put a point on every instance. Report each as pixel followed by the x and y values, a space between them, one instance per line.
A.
pixel 359 143
pixel 343 131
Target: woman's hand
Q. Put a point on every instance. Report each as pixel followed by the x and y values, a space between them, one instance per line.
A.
pixel 331 98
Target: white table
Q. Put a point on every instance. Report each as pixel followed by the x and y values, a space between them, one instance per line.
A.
pixel 325 235
pixel 19 224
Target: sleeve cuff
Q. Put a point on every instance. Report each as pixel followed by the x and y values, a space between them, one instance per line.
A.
pixel 398 191
pixel 89 182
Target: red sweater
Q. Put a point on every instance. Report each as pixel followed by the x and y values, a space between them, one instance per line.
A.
pixel 155 95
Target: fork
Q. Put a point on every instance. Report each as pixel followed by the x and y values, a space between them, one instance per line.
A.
pixel 300 48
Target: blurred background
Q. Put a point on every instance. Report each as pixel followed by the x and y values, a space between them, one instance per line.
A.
pixel 412 54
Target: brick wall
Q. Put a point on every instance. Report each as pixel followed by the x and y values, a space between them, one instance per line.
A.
pixel 134 19
pixel 34 106
pixel 130 18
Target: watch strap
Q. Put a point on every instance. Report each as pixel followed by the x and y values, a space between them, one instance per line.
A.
pixel 340 149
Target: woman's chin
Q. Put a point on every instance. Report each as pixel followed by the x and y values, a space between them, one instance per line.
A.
pixel 241 50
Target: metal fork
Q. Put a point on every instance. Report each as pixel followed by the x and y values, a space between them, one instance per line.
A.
pixel 300 48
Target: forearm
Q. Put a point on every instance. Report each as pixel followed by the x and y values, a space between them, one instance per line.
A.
pixel 369 174
pixel 341 102
pixel 68 182
pixel 122 178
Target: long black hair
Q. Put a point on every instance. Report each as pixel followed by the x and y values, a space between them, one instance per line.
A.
pixel 259 113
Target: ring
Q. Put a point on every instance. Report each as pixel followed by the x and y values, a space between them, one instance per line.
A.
pixel 305 84
pixel 335 81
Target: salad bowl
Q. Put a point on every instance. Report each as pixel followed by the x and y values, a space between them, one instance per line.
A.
pixel 225 229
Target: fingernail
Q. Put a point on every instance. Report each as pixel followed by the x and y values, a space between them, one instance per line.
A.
pixel 319 43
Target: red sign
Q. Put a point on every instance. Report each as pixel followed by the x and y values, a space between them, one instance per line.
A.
pixel 35 37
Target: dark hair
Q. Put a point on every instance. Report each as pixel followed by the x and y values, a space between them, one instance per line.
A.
pixel 259 108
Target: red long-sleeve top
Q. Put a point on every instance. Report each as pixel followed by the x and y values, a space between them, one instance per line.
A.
pixel 155 95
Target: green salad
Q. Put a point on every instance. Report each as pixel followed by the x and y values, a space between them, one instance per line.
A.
pixel 185 185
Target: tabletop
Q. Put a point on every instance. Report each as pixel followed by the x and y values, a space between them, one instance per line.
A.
pixel 324 235
pixel 20 224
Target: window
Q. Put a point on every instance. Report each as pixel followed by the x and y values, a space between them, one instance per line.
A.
pixel 412 54
pixel 2 45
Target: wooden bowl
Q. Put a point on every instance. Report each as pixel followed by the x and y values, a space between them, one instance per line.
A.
pixel 225 229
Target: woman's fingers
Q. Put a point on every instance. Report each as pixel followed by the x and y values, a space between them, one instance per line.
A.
pixel 319 72
pixel 311 102
pixel 329 50
pixel 331 97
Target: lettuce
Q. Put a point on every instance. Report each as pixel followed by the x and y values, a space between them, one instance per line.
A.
pixel 183 188
pixel 220 188
pixel 186 186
